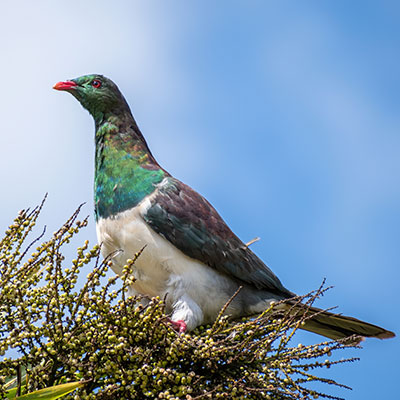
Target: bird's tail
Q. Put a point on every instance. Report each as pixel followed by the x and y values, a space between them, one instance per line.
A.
pixel 335 326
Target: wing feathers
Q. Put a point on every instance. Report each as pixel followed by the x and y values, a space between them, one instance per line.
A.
pixel 192 225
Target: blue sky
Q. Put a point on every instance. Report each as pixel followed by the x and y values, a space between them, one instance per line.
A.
pixel 285 115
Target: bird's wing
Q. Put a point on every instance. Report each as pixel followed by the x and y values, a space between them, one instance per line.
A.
pixel 190 223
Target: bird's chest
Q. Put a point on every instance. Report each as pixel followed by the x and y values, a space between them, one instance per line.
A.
pixel 161 269
pixel 122 236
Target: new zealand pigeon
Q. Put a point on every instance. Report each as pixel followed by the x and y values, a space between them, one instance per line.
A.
pixel 191 256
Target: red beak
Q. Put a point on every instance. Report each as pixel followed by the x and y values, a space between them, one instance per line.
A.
pixel 67 85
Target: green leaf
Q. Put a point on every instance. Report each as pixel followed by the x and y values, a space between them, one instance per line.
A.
pixel 50 393
pixel 11 393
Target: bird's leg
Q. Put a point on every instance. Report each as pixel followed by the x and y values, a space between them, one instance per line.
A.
pixel 186 314
pixel 179 326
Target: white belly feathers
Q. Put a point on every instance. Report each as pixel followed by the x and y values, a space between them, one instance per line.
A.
pixel 194 291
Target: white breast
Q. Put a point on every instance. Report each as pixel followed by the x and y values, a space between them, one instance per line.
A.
pixel 196 293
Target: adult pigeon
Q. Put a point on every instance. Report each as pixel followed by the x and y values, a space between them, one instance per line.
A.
pixel 191 256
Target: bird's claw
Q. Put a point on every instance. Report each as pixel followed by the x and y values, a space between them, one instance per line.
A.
pixel 179 326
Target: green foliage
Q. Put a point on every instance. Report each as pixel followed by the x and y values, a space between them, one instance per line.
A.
pixel 50 393
pixel 120 349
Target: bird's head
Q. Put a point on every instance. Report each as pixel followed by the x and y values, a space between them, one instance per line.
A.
pixel 98 94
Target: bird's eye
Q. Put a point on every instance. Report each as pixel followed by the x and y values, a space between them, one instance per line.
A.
pixel 96 83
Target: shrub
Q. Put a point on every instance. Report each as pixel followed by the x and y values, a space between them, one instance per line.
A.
pixel 95 334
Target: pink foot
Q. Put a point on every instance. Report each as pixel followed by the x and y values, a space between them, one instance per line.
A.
pixel 179 325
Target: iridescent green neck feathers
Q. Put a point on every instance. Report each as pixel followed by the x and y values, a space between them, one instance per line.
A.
pixel 125 171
